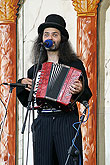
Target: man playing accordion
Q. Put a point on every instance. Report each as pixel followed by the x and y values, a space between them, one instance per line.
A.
pixel 53 125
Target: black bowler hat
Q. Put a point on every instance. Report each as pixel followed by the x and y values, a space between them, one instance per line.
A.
pixel 55 21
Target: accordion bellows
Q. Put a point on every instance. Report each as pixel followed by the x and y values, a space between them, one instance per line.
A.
pixel 54 82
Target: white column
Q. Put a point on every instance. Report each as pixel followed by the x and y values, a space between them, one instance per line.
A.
pixel 107 87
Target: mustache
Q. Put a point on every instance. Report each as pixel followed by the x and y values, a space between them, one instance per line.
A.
pixel 54 47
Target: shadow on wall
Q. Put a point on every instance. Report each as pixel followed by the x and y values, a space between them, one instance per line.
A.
pixel 20 4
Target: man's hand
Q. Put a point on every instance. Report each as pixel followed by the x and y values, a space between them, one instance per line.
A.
pixel 27 81
pixel 76 87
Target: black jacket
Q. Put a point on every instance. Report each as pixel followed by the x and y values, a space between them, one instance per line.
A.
pixel 23 94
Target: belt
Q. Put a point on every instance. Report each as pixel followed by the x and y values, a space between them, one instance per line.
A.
pixel 50 110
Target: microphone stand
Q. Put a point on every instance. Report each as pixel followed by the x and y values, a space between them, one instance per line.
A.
pixel 72 151
pixel 30 99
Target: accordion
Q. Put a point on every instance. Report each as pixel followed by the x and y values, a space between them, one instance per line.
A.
pixel 54 81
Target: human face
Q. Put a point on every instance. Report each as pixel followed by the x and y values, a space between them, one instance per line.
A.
pixel 54 35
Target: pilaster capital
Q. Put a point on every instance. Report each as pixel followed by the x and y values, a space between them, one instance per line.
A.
pixel 8 10
pixel 86 7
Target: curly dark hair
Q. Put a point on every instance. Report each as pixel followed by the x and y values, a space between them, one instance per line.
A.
pixel 66 53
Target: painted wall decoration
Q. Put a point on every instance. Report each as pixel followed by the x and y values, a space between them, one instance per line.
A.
pixel 8 10
pixel 87 50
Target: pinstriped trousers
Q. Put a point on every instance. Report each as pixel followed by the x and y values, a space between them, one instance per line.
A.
pixel 53 137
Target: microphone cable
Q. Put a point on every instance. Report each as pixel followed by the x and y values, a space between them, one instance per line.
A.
pixel 4 118
pixel 73 146
pixel 77 123
pixel 3 121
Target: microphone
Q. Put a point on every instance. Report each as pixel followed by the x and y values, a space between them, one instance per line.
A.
pixel 48 43
pixel 16 85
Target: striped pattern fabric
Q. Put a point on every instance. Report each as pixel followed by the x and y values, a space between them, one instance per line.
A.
pixel 53 137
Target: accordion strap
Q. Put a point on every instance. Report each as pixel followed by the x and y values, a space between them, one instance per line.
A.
pixel 76 99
